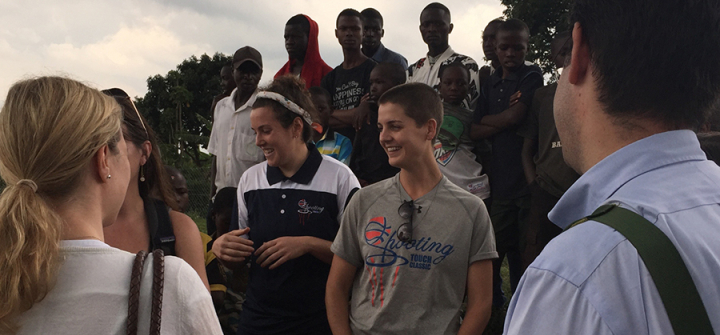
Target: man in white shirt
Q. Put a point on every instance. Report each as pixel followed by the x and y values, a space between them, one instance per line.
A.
pixel 435 27
pixel 232 141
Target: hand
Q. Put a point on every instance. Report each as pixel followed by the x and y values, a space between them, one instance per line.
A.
pixel 515 98
pixel 365 97
pixel 280 250
pixel 231 247
pixel 362 115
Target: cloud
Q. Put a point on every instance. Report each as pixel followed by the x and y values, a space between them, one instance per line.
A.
pixel 122 44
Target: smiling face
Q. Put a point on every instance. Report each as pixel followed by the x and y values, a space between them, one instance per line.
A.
pixel 511 49
pixel 349 32
pixel 275 141
pixel 403 140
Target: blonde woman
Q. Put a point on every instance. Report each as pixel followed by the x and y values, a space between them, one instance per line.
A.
pixel 65 163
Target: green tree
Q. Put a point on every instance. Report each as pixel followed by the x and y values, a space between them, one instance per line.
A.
pixel 177 107
pixel 544 18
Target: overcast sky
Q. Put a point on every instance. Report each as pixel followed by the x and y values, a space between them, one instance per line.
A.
pixel 121 43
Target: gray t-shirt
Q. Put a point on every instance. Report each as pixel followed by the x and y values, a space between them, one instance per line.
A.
pixel 418 287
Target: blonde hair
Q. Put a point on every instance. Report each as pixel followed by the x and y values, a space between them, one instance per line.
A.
pixel 50 129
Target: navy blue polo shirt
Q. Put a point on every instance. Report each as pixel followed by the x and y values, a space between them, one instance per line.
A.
pixel 291 298
pixel 507 180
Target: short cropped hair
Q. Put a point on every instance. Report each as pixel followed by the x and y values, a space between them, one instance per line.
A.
pixel 637 75
pixel 456 64
pixel 372 14
pixel 319 91
pixel 300 20
pixel 513 25
pixel 496 21
pixel 419 101
pixel 438 6
pixel 224 199
pixel 348 12
pixel 393 71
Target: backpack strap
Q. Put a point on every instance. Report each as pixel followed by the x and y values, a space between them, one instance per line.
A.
pixel 162 235
pixel 677 290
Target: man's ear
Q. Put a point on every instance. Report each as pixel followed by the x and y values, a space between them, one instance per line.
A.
pixel 336 34
pixel 102 168
pixel 579 58
pixel 382 33
pixel 451 28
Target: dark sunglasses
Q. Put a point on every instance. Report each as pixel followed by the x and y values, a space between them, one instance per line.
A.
pixel 404 232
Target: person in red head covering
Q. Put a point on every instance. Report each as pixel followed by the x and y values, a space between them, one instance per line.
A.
pixel 301 43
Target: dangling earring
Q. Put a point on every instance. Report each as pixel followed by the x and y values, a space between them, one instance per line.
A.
pixel 142 173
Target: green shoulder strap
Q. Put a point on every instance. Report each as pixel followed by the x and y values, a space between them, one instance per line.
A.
pixel 668 271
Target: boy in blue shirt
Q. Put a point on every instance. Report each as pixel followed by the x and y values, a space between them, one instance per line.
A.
pixel 327 141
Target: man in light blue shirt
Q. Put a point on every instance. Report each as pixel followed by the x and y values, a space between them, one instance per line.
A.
pixel 624 113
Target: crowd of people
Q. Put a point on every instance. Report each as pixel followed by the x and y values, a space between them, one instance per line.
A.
pixel 379 197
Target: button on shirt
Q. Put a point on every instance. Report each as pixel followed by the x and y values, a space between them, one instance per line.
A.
pixel 507 180
pixel 590 280
pixel 232 141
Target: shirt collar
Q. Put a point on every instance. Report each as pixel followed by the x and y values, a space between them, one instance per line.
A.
pixel 443 56
pixel 304 175
pixel 601 182
pixel 514 76
pixel 379 53
pixel 329 135
pixel 246 105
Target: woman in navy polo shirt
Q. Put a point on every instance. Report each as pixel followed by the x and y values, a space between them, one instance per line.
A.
pixel 289 210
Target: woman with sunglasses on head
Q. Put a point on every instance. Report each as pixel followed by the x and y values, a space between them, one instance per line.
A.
pixel 411 247
pixel 64 159
pixel 289 212
pixel 148 219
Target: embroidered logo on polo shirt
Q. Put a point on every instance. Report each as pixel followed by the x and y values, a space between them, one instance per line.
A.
pixel 306 209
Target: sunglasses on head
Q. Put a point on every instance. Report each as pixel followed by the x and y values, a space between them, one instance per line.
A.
pixel 404 232
pixel 119 93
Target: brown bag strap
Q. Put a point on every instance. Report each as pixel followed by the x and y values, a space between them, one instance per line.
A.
pixel 134 296
pixel 157 292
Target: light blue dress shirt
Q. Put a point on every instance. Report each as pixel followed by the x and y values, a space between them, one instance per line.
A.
pixel 590 279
